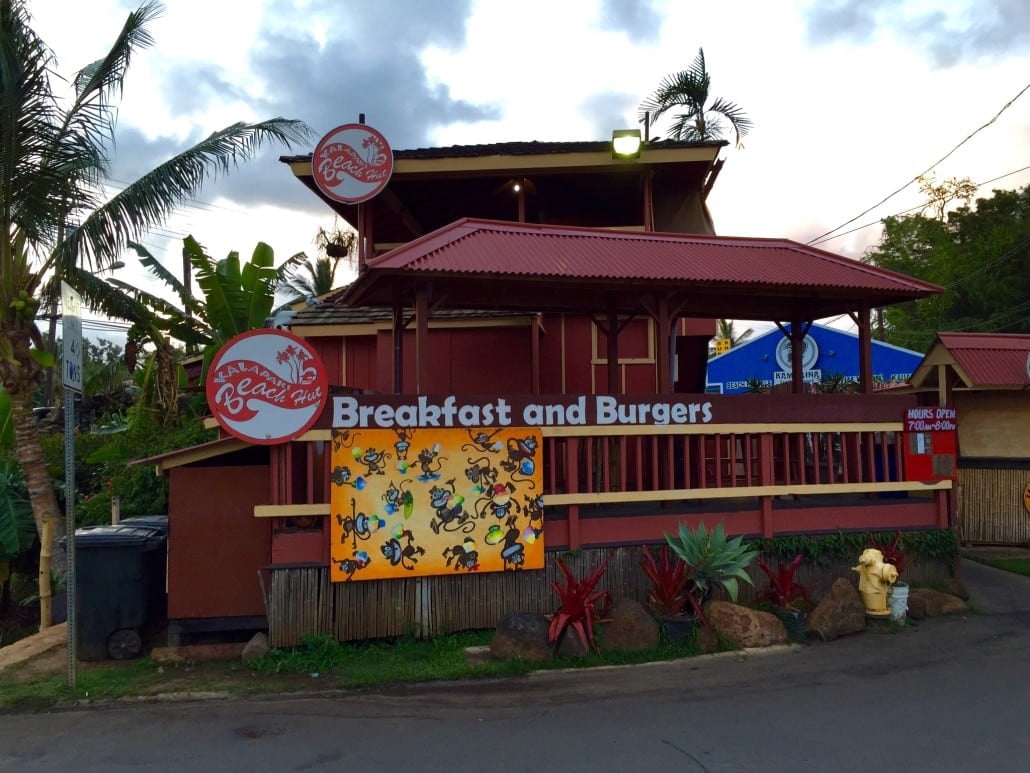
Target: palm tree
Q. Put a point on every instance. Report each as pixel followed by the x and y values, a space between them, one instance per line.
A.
pixel 724 331
pixel 302 277
pixel 55 215
pixel 700 120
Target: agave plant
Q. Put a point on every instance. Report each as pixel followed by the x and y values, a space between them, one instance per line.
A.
pixel 714 559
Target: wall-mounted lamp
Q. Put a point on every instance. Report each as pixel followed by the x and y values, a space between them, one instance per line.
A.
pixel 626 143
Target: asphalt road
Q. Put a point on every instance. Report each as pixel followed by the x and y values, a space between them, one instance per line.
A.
pixel 950 694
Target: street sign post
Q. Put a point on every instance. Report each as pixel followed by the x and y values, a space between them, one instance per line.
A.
pixel 71 370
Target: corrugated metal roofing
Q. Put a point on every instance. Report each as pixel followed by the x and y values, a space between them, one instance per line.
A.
pixel 472 246
pixel 990 359
pixel 330 313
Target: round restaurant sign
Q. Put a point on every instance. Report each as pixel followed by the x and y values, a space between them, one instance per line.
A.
pixel 809 353
pixel 352 163
pixel 266 386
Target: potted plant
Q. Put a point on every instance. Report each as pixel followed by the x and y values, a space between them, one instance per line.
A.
pixel 580 606
pixel 787 596
pixel 712 560
pixel 672 597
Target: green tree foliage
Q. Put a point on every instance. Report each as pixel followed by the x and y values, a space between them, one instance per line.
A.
pixel 103 467
pixel 55 213
pixel 703 117
pixel 302 277
pixel 980 255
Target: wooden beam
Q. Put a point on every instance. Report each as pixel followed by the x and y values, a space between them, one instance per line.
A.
pixel 422 338
pixel 740 492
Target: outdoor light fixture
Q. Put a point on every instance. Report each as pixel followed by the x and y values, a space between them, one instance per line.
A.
pixel 626 143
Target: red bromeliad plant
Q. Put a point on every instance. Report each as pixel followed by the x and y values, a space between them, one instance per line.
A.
pixel 672 583
pixel 784 590
pixel 578 607
pixel 893 552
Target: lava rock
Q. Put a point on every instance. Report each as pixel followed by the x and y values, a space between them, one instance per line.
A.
pixel 839 613
pixel 521 635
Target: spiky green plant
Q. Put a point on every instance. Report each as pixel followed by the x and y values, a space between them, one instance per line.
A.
pixel 715 559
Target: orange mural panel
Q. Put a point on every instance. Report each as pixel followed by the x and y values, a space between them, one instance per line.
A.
pixel 415 502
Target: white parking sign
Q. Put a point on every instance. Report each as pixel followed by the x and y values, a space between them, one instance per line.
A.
pixel 71 342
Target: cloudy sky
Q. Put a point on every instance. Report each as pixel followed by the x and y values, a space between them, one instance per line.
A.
pixel 851 99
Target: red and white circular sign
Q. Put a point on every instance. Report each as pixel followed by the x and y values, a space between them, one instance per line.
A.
pixel 267 386
pixel 352 163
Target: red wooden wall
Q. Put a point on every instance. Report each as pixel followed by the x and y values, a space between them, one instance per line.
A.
pixel 215 544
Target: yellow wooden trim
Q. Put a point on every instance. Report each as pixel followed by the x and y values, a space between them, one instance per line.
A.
pixel 598 159
pixel 200 453
pixel 612 430
pixel 740 492
pixel 314 435
pixel 557 500
pixel 291 511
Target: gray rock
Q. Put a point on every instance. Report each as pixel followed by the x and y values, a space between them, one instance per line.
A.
pixel 955 587
pixel 839 613
pixel 521 635
pixel 745 627
pixel 923 602
pixel 257 647
pixel 630 627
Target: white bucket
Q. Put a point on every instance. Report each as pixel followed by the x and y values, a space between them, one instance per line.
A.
pixel 897 597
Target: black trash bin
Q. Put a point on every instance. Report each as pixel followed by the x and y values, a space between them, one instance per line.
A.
pixel 160 524
pixel 156 522
pixel 119 585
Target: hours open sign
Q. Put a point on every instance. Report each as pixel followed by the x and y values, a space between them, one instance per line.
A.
pixel 931 444
pixel 930 420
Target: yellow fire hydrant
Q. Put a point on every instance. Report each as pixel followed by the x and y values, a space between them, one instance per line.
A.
pixel 874 578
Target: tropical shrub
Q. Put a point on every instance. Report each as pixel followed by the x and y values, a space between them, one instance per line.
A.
pixel 784 591
pixel 579 605
pixel 715 560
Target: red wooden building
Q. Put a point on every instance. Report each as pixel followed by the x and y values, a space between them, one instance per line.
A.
pixel 588 276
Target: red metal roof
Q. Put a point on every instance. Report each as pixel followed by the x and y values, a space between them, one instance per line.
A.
pixel 990 359
pixel 767 276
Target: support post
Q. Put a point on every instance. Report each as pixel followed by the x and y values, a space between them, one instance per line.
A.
pixel 69 529
pixel 662 355
pixel 865 352
pixel 421 339
pixel 612 340
pixel 398 348
pixel 797 350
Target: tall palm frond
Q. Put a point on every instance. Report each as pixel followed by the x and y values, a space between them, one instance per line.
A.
pixel 55 214
pixel 700 121
pixel 149 201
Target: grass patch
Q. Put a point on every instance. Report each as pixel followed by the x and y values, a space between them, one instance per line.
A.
pixel 319 663
pixel 1014 565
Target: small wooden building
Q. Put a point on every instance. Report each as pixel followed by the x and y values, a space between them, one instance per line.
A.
pixel 986 378
pixel 538 271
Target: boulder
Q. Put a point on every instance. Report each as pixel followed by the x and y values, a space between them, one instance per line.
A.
pixel 630 627
pixel 521 635
pixel 257 647
pixel 745 627
pixel 838 613
pixel 955 587
pixel 923 602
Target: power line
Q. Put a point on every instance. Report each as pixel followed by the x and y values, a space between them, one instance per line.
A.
pixel 1005 107
pixel 909 210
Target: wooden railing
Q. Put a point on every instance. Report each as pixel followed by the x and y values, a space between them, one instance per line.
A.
pixel 605 464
